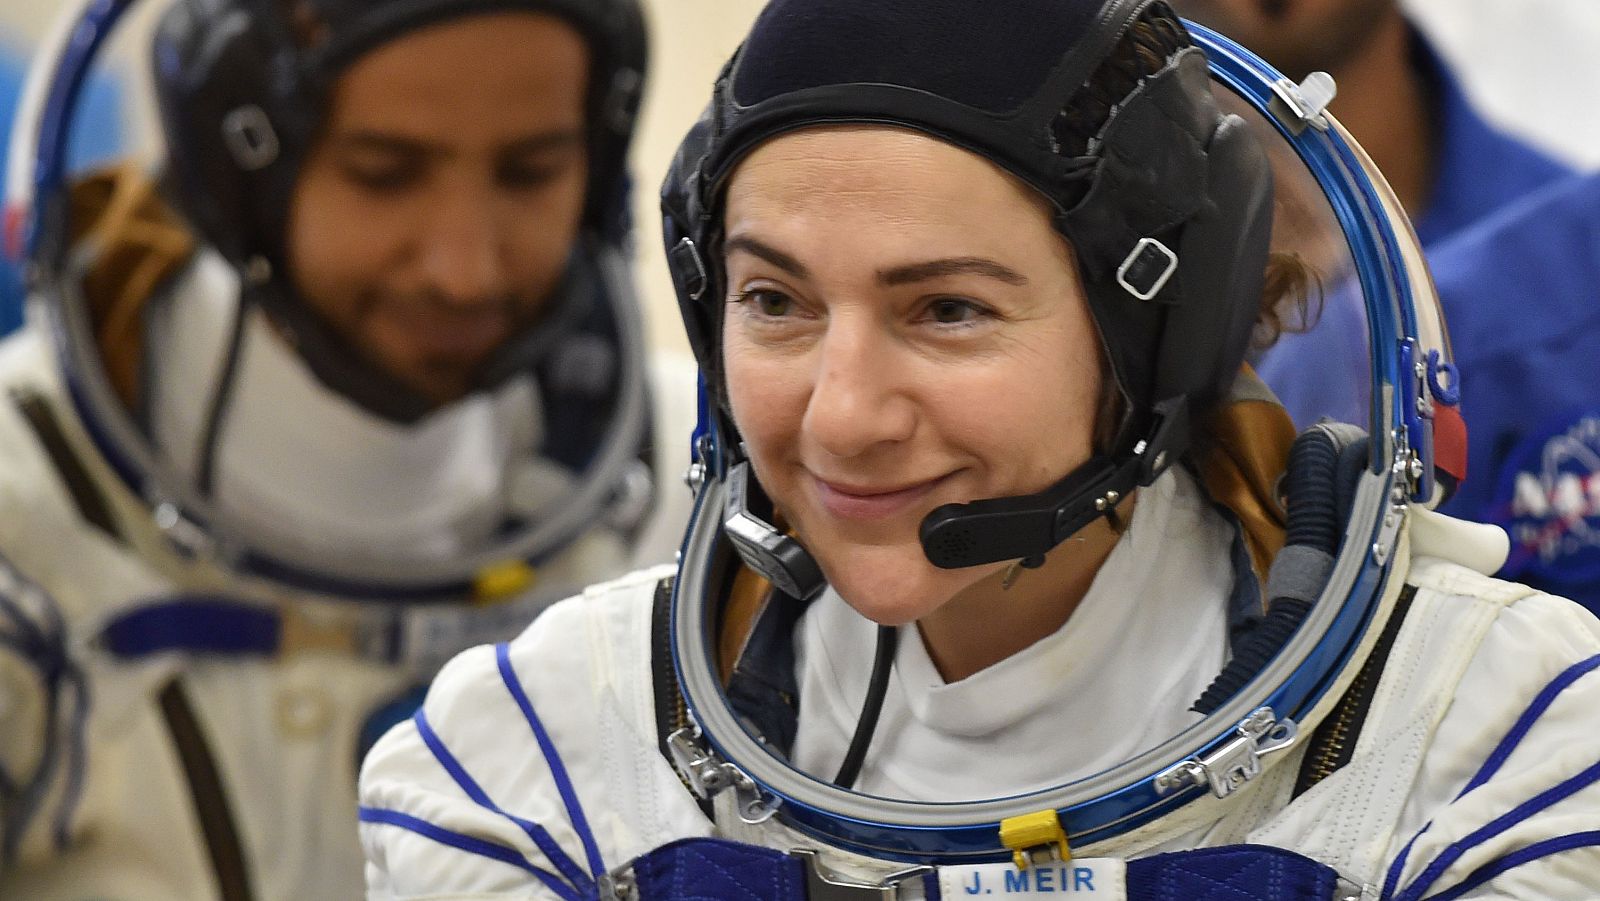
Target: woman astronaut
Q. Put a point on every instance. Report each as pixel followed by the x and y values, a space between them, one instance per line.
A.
pixel 350 380
pixel 1007 576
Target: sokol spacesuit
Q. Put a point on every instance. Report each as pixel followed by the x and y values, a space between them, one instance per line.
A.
pixel 237 532
pixel 890 666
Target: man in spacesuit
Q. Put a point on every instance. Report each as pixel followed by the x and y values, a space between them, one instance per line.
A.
pixel 1007 578
pixel 356 380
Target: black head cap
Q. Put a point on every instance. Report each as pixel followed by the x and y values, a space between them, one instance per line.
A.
pixel 242 87
pixel 1165 199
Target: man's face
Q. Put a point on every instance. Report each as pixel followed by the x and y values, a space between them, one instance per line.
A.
pixel 1296 36
pixel 437 210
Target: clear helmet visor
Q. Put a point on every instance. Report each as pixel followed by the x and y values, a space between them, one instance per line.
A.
pixel 1354 335
pixel 209 409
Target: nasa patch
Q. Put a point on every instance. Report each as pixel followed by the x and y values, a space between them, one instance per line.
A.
pixel 1548 501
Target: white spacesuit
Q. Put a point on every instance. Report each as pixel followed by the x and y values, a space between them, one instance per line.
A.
pixel 1389 722
pixel 585 669
pixel 222 574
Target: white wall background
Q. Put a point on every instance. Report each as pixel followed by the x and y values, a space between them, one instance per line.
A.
pixel 1533 65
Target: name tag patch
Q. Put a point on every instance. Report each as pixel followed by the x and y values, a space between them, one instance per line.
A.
pixel 1102 879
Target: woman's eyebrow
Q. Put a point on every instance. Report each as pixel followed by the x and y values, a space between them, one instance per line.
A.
pixel 765 252
pixel 921 272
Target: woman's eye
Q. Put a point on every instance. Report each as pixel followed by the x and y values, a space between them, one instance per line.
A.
pixel 954 311
pixel 770 303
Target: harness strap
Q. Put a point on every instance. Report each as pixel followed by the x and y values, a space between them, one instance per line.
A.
pixel 86 494
pixel 419 637
pixel 217 824
pixel 711 869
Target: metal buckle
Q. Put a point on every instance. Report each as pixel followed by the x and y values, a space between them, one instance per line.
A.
pixel 185 536
pixel 685 249
pixel 303 632
pixel 1230 767
pixel 1407 472
pixel 1147 253
pixel 823 885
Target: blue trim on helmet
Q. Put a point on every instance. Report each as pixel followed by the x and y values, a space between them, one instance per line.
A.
pixel 1109 815
pixel 1380 268
pixel 55 124
pixel 1373 243
pixel 247 561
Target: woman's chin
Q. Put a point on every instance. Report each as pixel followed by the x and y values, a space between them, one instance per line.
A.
pixel 893 586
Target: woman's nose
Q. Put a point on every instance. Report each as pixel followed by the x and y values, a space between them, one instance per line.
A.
pixel 857 400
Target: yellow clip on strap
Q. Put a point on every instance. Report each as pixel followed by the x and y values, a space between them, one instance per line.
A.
pixel 503 580
pixel 1033 832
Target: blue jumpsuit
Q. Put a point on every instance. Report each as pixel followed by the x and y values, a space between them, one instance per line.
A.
pixel 1521 298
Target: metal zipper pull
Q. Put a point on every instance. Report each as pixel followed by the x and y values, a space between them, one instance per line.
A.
pixel 1235 763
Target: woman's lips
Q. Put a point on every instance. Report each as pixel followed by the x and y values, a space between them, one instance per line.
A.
pixel 867 502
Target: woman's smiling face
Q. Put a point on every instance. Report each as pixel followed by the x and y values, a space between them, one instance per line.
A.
pixel 904 329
